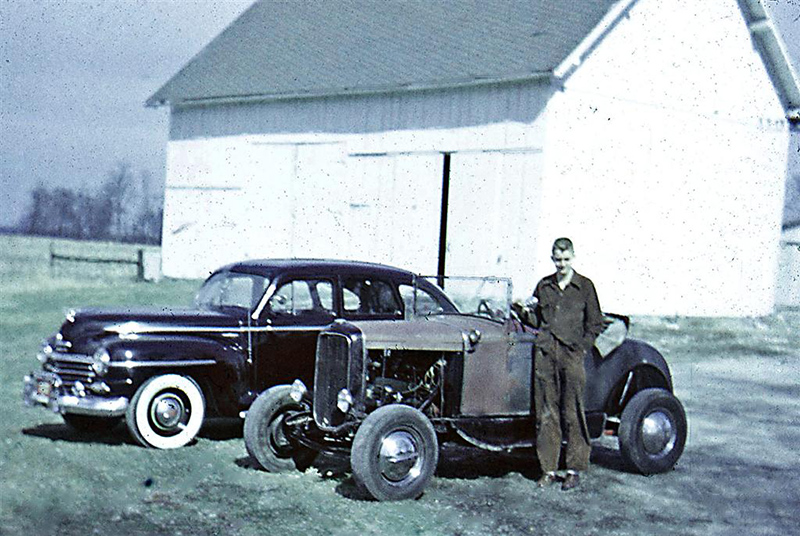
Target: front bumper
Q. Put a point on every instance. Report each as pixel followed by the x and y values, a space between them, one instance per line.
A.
pixel 46 389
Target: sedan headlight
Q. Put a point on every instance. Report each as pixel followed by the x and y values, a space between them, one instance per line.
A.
pixel 100 362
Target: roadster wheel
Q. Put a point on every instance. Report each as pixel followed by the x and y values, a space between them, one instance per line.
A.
pixel 264 433
pixel 394 453
pixel 90 425
pixel 652 431
pixel 166 412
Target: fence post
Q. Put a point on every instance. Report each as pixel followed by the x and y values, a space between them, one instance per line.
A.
pixel 140 265
pixel 52 259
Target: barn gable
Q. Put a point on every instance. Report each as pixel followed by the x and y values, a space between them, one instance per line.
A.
pixel 652 136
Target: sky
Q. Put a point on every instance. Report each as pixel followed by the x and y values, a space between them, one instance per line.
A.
pixel 74 76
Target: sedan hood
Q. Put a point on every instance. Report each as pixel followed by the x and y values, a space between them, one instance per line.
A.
pixel 90 322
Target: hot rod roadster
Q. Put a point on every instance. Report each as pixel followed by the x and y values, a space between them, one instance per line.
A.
pixel 386 393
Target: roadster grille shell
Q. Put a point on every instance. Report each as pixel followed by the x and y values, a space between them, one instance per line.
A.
pixel 331 376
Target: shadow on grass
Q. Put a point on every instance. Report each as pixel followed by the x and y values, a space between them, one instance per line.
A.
pixel 608 457
pixel 222 429
pixel 455 462
pixel 329 467
pixel 467 462
pixel 62 432
pixel 214 430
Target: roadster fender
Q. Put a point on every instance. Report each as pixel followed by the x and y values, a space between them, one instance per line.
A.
pixel 634 364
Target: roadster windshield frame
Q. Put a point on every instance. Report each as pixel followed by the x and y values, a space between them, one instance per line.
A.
pixel 486 297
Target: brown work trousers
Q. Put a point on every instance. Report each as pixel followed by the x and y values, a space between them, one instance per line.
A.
pixel 559 381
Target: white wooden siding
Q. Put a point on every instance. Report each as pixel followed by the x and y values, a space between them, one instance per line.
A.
pixel 672 134
pixel 788 294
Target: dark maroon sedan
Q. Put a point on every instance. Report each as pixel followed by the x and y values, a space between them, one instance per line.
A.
pixel 254 325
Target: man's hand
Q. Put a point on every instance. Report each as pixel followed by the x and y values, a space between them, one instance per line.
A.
pixel 525 311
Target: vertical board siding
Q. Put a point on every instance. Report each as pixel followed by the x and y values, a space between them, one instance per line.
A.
pixel 420 110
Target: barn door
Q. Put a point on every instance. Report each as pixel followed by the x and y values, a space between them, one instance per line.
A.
pixel 492 207
pixel 393 209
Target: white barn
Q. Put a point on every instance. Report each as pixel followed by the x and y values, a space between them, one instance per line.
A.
pixel 788 294
pixel 462 137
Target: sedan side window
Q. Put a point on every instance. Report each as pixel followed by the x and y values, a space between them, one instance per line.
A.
pixel 366 297
pixel 301 296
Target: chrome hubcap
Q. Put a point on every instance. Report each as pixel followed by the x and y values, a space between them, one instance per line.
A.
pixel 167 411
pixel 658 434
pixel 399 457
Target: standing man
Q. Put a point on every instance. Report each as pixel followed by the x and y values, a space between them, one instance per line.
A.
pixel 569 319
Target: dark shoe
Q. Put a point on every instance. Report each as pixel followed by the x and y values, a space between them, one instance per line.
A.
pixel 546 479
pixel 571 481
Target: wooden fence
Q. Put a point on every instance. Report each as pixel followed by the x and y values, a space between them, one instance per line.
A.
pixel 139 262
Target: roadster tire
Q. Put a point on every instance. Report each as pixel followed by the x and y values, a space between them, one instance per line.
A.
pixel 394 453
pixel 652 431
pixel 264 437
pixel 90 425
pixel 166 412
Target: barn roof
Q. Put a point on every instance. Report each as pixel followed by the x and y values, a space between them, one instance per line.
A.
pixel 291 48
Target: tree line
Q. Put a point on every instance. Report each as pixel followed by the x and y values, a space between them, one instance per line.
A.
pixel 128 207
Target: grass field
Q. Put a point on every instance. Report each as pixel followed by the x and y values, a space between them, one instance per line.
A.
pixel 737 378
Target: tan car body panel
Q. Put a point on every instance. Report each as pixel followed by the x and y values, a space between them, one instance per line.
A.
pixel 497 370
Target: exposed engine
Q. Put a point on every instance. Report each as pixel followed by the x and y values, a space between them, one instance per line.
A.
pixel 407 377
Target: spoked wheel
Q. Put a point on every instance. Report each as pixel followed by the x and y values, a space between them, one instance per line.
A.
pixel 166 412
pixel 394 453
pixel 652 431
pixel 265 434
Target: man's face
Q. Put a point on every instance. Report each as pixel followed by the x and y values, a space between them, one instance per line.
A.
pixel 562 258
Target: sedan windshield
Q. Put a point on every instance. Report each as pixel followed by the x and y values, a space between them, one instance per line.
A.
pixel 231 289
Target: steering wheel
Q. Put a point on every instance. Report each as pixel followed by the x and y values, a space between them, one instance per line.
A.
pixel 485 309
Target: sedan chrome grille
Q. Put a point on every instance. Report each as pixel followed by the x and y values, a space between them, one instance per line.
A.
pixel 70 367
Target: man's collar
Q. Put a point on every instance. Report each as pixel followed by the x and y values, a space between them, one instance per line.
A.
pixel 552 279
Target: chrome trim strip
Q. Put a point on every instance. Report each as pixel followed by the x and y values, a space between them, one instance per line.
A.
pixel 129 364
pixel 128 328
pixel 83 359
pixel 292 328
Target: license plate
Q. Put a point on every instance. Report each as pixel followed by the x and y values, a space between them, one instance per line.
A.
pixel 44 388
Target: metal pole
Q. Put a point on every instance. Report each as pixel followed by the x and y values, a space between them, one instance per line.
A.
pixel 443 222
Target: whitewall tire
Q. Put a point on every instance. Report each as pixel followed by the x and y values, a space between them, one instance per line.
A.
pixel 166 412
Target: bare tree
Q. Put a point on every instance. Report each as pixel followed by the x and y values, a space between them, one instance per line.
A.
pixel 124 208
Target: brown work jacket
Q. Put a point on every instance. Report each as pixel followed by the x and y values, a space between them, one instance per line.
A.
pixel 571 316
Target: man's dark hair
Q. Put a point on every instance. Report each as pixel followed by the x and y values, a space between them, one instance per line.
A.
pixel 563 244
